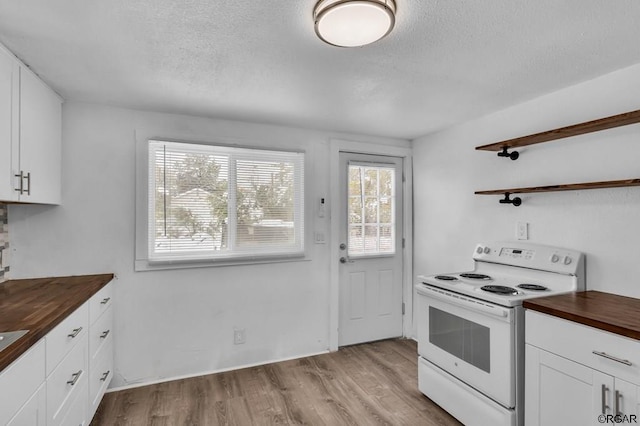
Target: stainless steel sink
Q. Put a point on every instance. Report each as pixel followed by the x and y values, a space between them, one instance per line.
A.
pixel 7 338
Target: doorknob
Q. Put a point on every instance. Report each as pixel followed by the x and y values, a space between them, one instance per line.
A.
pixel 345 260
pixel 343 246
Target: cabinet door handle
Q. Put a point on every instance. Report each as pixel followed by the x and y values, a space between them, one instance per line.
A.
pixel 105 300
pixel 75 376
pixel 604 391
pixel 105 375
pixel 105 334
pixel 612 358
pixel 21 188
pixel 76 331
pixel 28 178
pixel 617 403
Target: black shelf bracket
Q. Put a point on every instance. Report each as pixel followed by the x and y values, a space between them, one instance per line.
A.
pixel 505 153
pixel 515 201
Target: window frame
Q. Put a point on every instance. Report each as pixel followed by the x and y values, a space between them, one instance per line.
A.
pixel 143 260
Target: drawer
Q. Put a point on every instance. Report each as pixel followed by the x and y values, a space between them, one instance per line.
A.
pixel 20 380
pixel 100 375
pixel 77 413
pixel 578 343
pixel 64 337
pixel 101 333
pixel 100 302
pixel 66 382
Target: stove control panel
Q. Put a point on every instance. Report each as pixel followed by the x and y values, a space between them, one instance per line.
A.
pixel 534 256
pixel 516 253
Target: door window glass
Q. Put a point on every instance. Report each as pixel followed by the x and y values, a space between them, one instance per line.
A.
pixel 371 210
pixel 464 339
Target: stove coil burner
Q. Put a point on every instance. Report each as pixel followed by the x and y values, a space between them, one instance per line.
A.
pixel 475 276
pixel 445 278
pixel 534 287
pixel 500 289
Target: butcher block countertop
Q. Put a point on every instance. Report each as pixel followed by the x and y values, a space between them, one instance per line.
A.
pixel 605 311
pixel 39 304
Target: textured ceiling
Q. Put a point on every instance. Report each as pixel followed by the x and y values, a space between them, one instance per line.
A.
pixel 445 62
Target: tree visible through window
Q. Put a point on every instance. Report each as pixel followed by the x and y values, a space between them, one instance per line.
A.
pixel 210 201
pixel 371 210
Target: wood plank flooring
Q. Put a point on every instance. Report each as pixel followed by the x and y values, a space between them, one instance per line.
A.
pixel 369 384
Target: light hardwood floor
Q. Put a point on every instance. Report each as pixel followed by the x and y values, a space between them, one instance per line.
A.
pixel 369 384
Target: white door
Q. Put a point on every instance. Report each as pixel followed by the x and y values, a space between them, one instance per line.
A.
pixel 371 252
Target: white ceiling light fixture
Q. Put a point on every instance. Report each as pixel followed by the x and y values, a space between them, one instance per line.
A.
pixel 353 23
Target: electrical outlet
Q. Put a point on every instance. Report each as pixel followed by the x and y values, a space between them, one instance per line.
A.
pixel 239 336
pixel 522 231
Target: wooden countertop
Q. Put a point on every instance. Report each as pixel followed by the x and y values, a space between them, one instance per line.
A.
pixel 38 305
pixel 606 311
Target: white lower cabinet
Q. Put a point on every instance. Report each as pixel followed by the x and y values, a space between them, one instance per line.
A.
pixel 77 414
pixel 67 383
pixel 101 375
pixel 34 412
pixel 19 383
pixel 61 380
pixel 101 350
pixel 601 389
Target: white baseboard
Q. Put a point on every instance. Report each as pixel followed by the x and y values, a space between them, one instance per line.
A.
pixel 206 373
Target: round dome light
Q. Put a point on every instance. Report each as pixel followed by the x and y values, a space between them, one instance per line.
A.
pixel 353 23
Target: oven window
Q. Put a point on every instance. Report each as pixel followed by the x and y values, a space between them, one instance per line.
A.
pixel 461 338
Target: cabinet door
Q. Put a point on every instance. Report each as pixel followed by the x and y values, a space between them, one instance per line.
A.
pixel 8 120
pixel 40 140
pixel 626 401
pixel 33 413
pixel 559 391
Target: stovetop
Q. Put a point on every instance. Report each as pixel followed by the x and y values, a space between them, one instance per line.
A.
pixel 508 273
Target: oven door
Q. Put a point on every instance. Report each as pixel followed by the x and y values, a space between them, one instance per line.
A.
pixel 471 339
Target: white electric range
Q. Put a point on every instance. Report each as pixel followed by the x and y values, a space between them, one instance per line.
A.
pixel 471 327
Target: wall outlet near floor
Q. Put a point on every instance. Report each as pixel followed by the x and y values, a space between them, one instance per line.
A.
pixel 239 336
pixel 522 231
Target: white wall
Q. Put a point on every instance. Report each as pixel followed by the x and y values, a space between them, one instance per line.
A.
pixel 604 223
pixel 176 322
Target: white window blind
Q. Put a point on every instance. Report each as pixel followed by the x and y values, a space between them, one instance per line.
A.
pixel 210 202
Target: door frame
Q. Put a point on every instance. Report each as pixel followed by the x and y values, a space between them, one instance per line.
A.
pixel 335 147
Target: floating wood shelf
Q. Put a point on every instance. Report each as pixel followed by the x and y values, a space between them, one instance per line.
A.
pixel 564 187
pixel 625 119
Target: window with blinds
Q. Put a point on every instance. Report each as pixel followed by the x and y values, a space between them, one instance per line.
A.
pixel 210 202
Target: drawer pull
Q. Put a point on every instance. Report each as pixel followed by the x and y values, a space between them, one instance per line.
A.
pixel 617 404
pixel 28 178
pixel 105 334
pixel 21 176
pixel 105 375
pixel 76 331
pixel 105 300
pixel 612 358
pixel 75 376
pixel 603 393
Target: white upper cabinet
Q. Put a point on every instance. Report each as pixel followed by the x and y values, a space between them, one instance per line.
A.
pixel 30 135
pixel 9 77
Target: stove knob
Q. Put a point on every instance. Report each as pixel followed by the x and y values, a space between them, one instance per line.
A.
pixel 487 250
pixel 479 250
pixel 554 258
pixel 567 260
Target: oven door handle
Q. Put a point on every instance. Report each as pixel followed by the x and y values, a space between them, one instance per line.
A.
pixel 465 302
